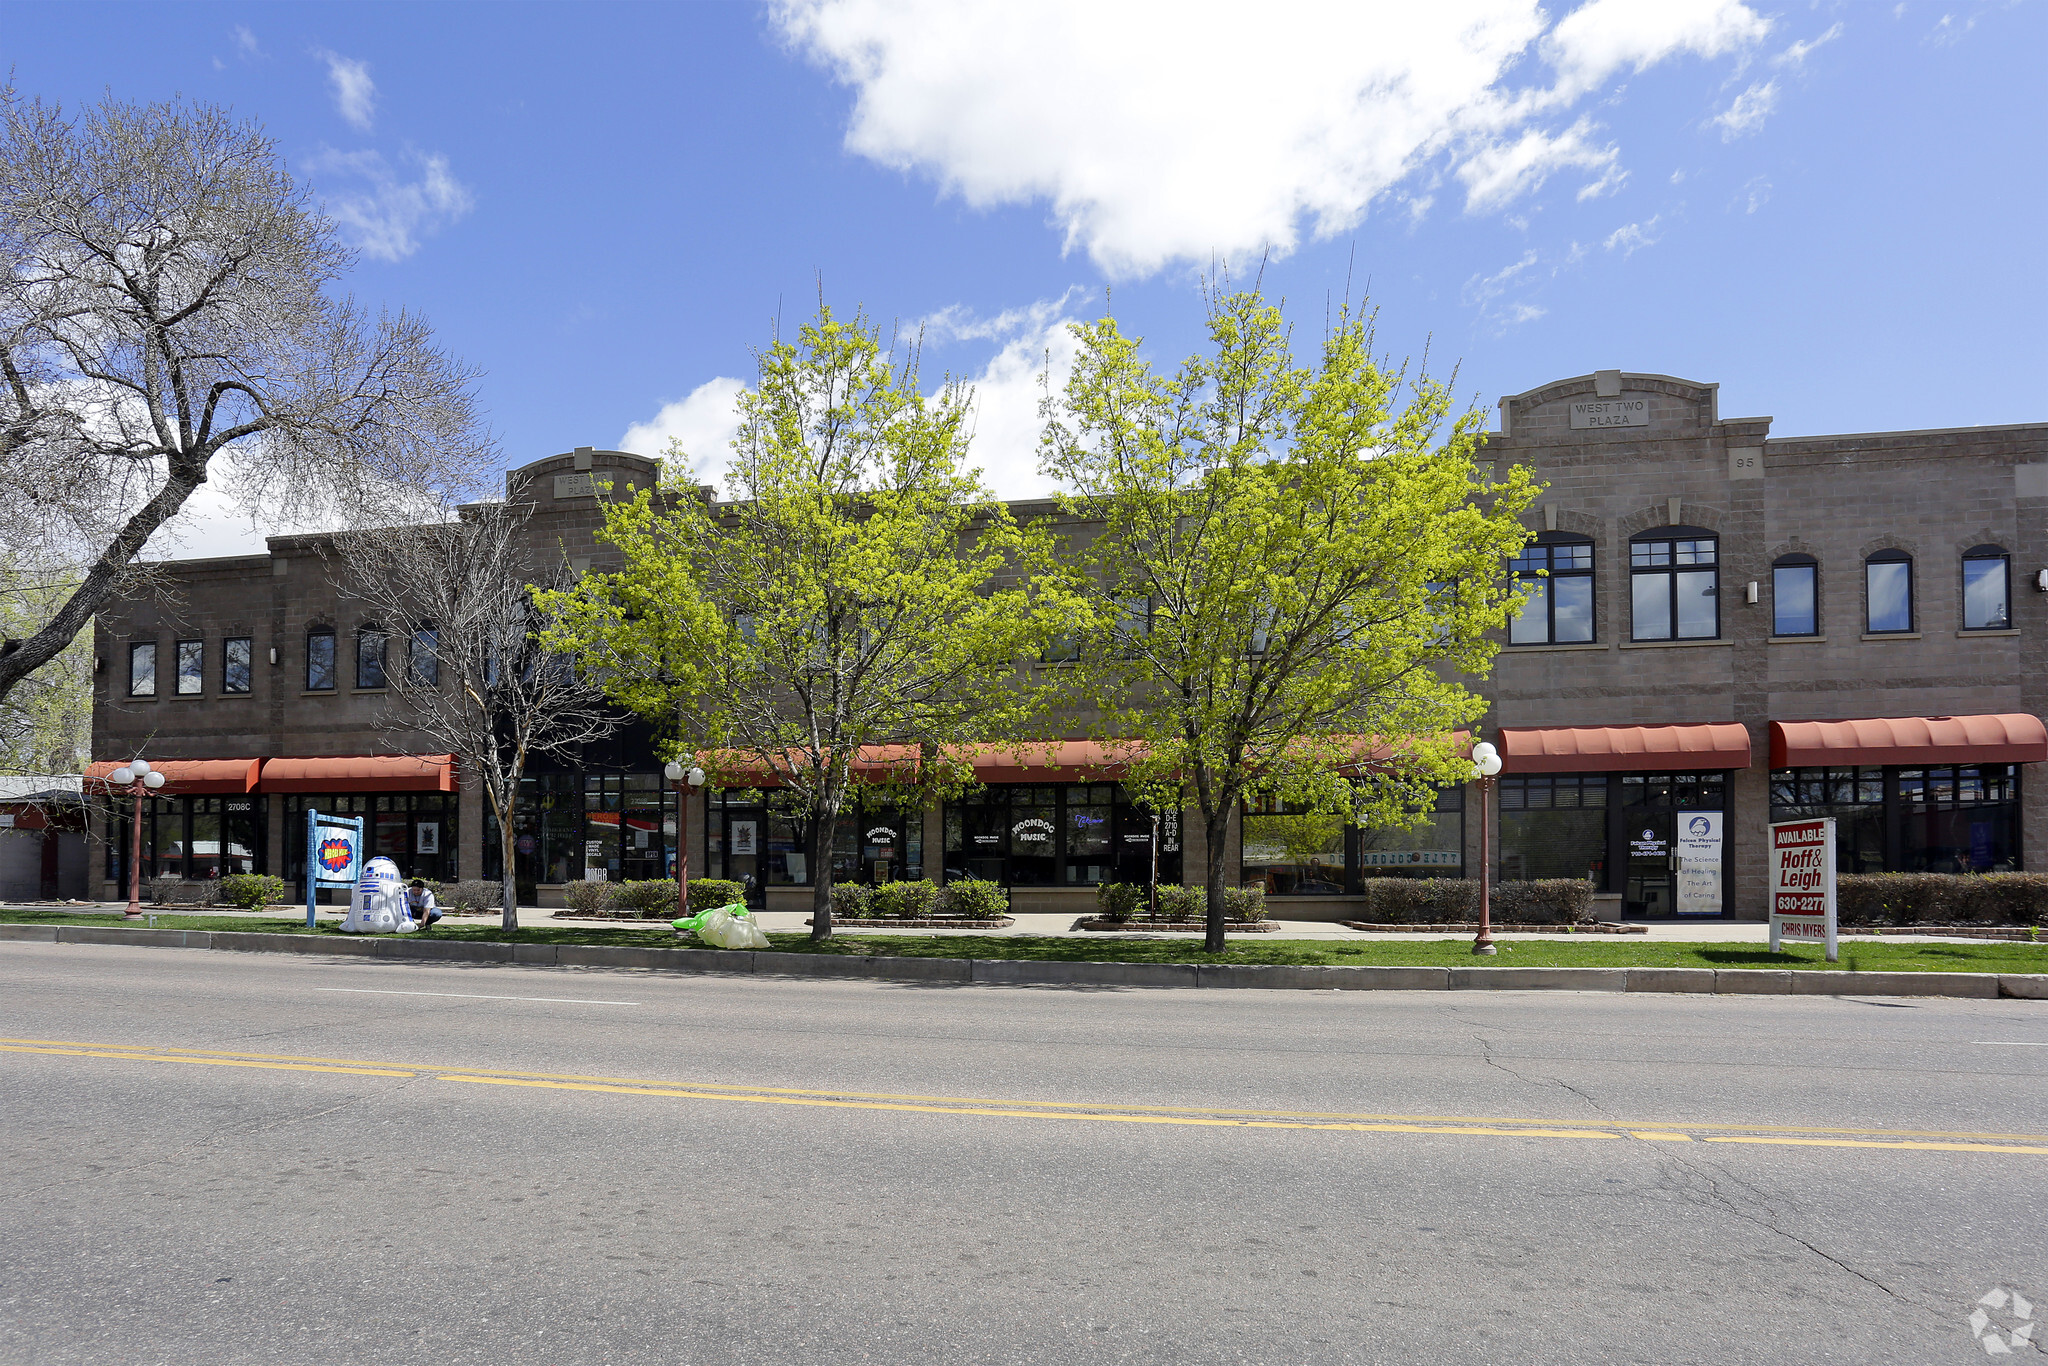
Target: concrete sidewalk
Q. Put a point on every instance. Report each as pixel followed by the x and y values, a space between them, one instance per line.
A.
pixel 1056 926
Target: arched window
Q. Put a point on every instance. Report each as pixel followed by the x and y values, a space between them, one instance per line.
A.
pixel 1888 593
pixel 1795 596
pixel 1987 589
pixel 370 647
pixel 1675 584
pixel 1557 573
pixel 320 660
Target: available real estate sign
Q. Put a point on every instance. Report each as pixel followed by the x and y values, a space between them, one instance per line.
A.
pixel 1803 883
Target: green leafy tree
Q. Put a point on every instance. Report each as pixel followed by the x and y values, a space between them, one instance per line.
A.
pixel 860 605
pixel 1288 569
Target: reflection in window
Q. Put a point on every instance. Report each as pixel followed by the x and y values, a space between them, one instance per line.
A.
pixel 370 644
pixel 1987 589
pixel 235 655
pixel 1557 573
pixel 142 669
pixel 423 656
pixel 1795 596
pixel 1068 834
pixel 191 668
pixel 1854 797
pixel 1554 825
pixel 1674 585
pixel 1291 852
pixel 1888 592
pixel 320 661
pixel 1959 820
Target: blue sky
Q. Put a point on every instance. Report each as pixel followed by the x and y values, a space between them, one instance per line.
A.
pixel 1835 210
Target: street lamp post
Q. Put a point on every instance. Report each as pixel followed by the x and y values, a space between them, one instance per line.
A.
pixel 140 780
pixel 686 781
pixel 1485 764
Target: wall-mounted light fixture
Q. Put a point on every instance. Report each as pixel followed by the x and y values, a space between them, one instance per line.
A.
pixel 1750 594
pixel 273 654
pixel 2041 582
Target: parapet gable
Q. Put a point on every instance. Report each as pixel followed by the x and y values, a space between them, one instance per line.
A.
pixel 1608 404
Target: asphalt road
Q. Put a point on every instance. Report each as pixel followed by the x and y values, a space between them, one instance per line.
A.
pixel 225 1158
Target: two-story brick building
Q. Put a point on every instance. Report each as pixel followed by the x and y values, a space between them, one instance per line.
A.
pixel 1728 626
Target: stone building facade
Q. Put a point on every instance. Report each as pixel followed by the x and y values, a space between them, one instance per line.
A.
pixel 1729 626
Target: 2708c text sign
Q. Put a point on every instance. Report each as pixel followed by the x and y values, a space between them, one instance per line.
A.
pixel 1803 882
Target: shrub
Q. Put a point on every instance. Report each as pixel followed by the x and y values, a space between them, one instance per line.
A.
pixel 908 900
pixel 1941 898
pixel 654 899
pixel 1117 902
pixel 852 901
pixel 975 899
pixel 1243 905
pixel 471 895
pixel 251 891
pixel 1182 903
pixel 709 893
pixel 590 898
pixel 1438 900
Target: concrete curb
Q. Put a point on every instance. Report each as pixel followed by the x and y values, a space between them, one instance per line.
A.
pixel 1039 972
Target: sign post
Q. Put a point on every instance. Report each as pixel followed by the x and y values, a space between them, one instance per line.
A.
pixel 334 854
pixel 1803 883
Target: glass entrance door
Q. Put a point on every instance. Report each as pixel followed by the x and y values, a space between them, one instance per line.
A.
pixel 1673 858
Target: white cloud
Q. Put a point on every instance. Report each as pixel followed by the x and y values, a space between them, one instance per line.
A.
pixel 1755 195
pixel 704 423
pixel 1795 56
pixel 1748 112
pixel 355 94
pixel 1135 132
pixel 388 216
pixel 246 45
pixel 1631 238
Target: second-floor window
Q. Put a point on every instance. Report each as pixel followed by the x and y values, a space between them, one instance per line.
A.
pixel 319 661
pixel 370 645
pixel 235 654
pixel 1557 573
pixel 1888 593
pixel 191 668
pixel 1675 584
pixel 1795 596
pixel 142 669
pixel 1987 589
pixel 423 656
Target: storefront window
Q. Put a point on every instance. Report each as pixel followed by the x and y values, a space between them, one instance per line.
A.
pixel 1435 848
pixel 1959 820
pixel 1047 835
pixel 415 830
pixel 1554 825
pixel 1291 852
pixel 1854 797
pixel 198 838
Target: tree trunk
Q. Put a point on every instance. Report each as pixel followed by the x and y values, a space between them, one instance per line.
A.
pixel 821 875
pixel 1217 829
pixel 508 840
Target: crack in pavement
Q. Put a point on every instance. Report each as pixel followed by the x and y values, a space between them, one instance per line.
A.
pixel 1486 1054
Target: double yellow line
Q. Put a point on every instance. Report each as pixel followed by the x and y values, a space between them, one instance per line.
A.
pixel 1110 1113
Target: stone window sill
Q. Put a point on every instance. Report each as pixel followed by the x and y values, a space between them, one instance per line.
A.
pixel 1796 640
pixel 1670 644
pixel 140 697
pixel 316 692
pixel 367 692
pixel 1549 649
pixel 2001 631
pixel 1891 635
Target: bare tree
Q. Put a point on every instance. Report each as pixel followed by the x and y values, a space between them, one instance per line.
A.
pixel 469 675
pixel 164 319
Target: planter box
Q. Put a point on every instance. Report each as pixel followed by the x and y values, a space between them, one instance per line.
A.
pixel 1176 926
pixel 1472 927
pixel 956 922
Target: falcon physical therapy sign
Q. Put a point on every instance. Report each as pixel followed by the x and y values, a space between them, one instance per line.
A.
pixel 1803 883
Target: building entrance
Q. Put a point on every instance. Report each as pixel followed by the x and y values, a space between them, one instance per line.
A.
pixel 1672 828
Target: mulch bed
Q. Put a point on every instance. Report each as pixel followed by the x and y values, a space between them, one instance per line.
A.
pixel 956 922
pixel 1472 927
pixel 1175 926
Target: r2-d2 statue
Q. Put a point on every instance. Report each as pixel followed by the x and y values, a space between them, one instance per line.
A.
pixel 379 905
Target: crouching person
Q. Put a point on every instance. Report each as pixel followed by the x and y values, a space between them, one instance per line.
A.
pixel 420 901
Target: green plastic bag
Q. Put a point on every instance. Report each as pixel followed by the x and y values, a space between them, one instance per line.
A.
pixel 725 927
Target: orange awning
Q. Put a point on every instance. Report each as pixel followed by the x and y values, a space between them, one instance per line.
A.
pixel 1048 761
pixel 2000 738
pixel 192 776
pixel 1622 749
pixel 360 773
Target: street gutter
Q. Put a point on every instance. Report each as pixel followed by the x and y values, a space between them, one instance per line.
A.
pixel 1029 972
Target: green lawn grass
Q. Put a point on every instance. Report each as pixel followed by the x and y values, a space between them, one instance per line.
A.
pixel 1602 952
